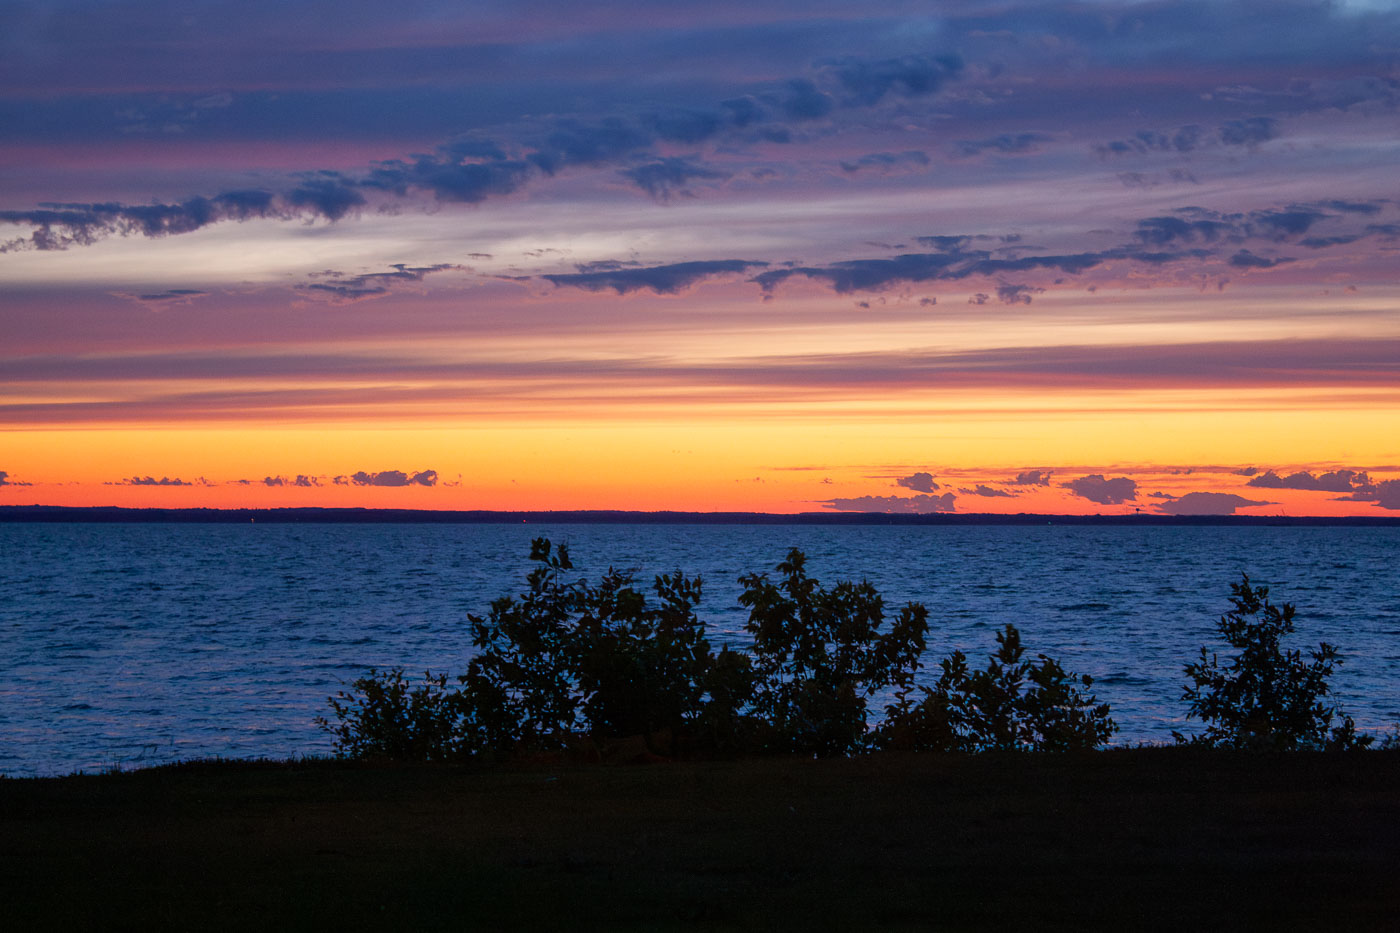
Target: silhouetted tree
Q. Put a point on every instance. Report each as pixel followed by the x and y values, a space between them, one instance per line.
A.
pixel 523 669
pixel 1265 696
pixel 819 654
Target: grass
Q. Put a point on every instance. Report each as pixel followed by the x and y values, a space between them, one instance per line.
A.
pixel 1141 838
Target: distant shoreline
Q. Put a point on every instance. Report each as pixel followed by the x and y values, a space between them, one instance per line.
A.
pixel 350 516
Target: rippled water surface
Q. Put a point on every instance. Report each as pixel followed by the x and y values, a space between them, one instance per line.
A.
pixel 132 644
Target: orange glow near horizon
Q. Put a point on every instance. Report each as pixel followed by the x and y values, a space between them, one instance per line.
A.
pixel 802 459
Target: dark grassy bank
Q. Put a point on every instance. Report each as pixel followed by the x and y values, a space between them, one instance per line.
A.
pixel 1132 838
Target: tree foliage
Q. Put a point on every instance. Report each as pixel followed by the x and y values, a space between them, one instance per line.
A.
pixel 1265 696
pixel 569 663
pixel 523 670
pixel 819 654
pixel 1013 705
pixel 385 716
pixel 562 663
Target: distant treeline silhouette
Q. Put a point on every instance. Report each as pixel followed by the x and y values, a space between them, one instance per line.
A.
pixel 602 671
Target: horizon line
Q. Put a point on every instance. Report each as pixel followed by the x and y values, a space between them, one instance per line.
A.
pixel 38 513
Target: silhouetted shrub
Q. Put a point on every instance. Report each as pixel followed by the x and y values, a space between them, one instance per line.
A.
pixel 641 669
pixel 819 654
pixel 522 675
pixel 1013 705
pixel 1265 697
pixel 385 717
pixel 568 659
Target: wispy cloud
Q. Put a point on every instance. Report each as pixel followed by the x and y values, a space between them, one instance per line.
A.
pixel 664 280
pixel 339 286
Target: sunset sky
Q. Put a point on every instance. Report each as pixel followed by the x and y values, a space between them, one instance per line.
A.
pixel 778 255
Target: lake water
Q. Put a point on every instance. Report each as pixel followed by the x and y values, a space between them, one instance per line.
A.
pixel 134 644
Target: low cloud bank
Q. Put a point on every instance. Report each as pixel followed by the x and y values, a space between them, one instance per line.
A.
pixel 1207 503
pixel 904 505
pixel 388 478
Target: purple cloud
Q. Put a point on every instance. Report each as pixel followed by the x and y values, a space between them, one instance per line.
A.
pixel 1247 132
pixel 342 287
pixel 1244 259
pixel 904 505
pixel 887 161
pixel 1003 144
pixel 389 478
pixel 58 226
pixel 667 176
pixel 987 492
pixel 1385 494
pixel 301 480
pixel 869 82
pixel 163 481
pixel 1017 294
pixel 664 280
pixel 1096 488
pixel 919 482
pixel 1207 503
pixel 1337 481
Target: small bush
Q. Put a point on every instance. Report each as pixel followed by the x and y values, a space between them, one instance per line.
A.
pixel 1265 697
pixel 386 717
pixel 1013 705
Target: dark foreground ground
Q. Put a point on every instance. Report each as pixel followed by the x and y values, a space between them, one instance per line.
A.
pixel 1163 838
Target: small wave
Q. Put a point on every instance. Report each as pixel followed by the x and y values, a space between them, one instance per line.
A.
pixel 1085 607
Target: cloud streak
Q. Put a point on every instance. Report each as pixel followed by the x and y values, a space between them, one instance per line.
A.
pixel 471 168
pixel 341 287
pixel 663 280
pixel 225 385
pixel 897 505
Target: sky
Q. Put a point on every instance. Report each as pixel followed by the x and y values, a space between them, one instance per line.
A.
pixel 1103 256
